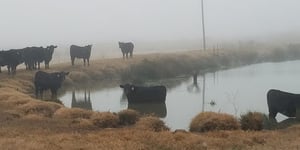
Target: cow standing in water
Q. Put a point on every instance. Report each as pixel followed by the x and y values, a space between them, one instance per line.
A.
pixel 141 94
pixel 282 102
pixel 126 48
pixel 80 52
pixel 44 81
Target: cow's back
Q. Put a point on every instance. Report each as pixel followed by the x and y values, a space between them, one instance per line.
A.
pixel 80 52
pixel 126 47
pixel 46 80
pixel 41 79
pixel 148 94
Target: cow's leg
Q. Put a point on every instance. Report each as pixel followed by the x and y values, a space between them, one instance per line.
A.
pixel 72 60
pixel 88 61
pixel 8 69
pixel 53 93
pixel 34 65
pixel 38 65
pixel 123 55
pixel 41 93
pixel 84 61
pixel 30 66
pixel 36 92
pixel 14 69
pixel 26 65
pixel 46 65
pixel 130 54
pixel 0 69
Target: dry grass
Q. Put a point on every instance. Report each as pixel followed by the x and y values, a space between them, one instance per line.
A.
pixel 210 121
pixel 74 113
pixel 151 123
pixel 105 120
pixel 252 121
pixel 128 117
pixel 45 109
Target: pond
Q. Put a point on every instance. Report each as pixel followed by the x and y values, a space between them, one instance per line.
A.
pixel 234 91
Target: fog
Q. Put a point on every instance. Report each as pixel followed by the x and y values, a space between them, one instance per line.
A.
pixel 158 24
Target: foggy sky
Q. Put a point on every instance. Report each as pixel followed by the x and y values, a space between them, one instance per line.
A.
pixel 43 22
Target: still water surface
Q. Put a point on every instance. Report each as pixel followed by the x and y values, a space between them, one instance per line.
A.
pixel 234 91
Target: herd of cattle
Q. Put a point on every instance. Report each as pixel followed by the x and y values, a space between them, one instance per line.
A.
pixel 32 57
pixel 278 101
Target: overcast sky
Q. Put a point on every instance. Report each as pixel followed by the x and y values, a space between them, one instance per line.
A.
pixel 43 22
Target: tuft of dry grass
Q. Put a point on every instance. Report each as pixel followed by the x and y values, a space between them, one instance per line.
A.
pixel 82 123
pixel 210 121
pixel 9 115
pixel 252 121
pixel 73 113
pixel 128 117
pixel 105 119
pixel 45 109
pixel 152 124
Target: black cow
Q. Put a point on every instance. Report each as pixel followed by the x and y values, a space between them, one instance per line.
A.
pixel 282 102
pixel 2 60
pixel 84 103
pixel 48 55
pixel 136 94
pixel 80 52
pixel 35 55
pixel 11 58
pixel 126 48
pixel 44 81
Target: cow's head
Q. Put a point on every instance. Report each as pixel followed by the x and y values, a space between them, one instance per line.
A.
pixel 89 46
pixel 128 88
pixel 61 75
pixel 120 44
pixel 48 53
pixel 51 47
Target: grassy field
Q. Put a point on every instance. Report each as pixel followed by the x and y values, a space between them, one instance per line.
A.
pixel 28 123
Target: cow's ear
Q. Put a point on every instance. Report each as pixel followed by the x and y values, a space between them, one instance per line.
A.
pixel 67 73
pixel 121 86
pixel 55 46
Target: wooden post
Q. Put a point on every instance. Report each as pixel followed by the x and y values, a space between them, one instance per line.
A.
pixel 203 27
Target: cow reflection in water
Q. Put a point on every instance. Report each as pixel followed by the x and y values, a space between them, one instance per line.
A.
pixel 195 86
pixel 84 103
pixel 157 109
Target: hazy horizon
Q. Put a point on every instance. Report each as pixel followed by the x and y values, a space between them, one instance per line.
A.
pixel 66 22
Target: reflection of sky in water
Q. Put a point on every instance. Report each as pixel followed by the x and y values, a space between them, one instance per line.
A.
pixel 235 91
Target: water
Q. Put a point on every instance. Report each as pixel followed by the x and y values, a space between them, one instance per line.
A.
pixel 234 91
